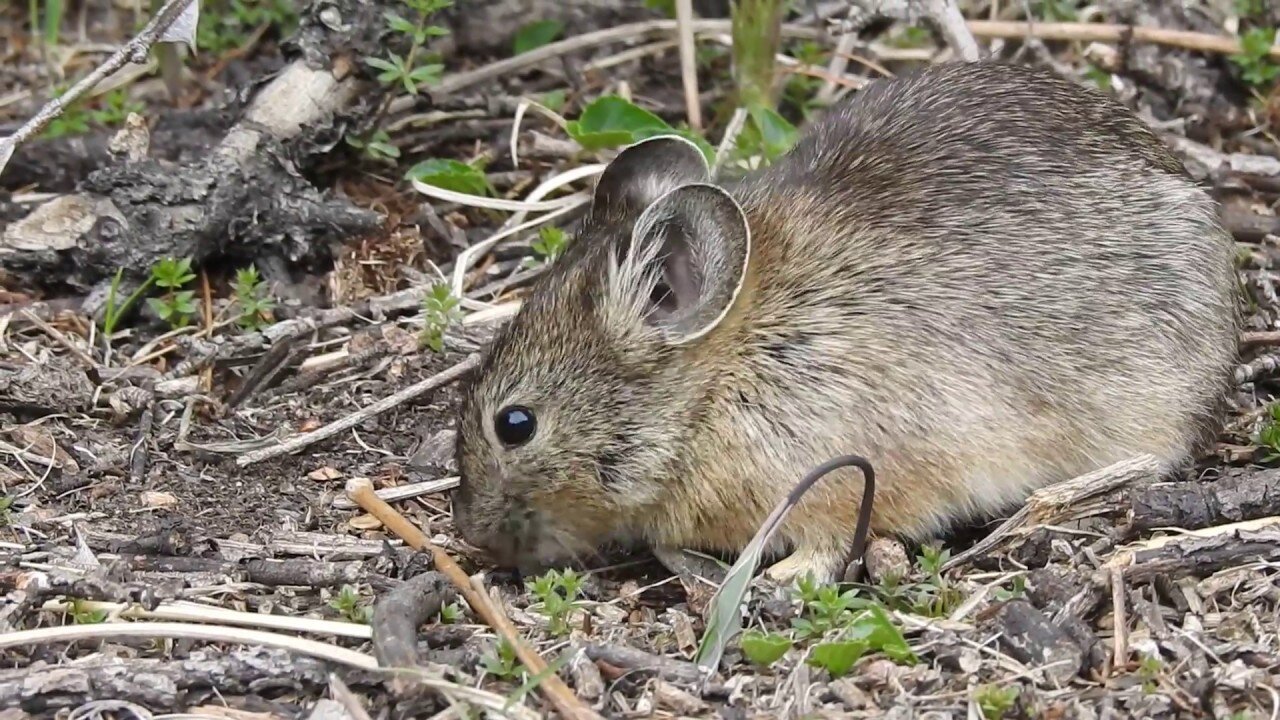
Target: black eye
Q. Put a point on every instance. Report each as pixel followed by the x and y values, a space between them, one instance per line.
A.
pixel 515 425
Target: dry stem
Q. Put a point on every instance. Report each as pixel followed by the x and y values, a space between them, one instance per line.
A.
pixel 361 491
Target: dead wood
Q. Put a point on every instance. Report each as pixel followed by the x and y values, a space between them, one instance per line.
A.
pixel 1031 638
pixel 246 199
pixel 1198 504
pixel 1200 553
pixel 629 659
pixel 170 684
pixel 398 614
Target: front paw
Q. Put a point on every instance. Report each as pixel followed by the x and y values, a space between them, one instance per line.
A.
pixel 822 566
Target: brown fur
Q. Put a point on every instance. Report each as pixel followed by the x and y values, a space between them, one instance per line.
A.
pixel 981 277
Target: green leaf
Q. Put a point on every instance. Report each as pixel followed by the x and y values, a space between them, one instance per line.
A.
pixel 536 34
pixel 876 630
pixel 399 24
pixel 763 649
pixel 610 121
pixel 837 657
pixel 426 74
pixel 451 175
pixel 777 135
pixel 160 307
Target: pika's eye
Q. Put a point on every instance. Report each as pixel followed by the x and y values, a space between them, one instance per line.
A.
pixel 515 425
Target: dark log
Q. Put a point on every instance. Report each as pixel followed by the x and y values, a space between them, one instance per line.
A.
pixel 1031 638
pixel 1196 504
pixel 160 685
pixel 398 614
pixel 1198 556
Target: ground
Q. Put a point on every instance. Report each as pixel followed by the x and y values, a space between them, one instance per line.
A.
pixel 131 492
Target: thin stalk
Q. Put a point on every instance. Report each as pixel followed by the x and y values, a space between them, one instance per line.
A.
pixel 757 38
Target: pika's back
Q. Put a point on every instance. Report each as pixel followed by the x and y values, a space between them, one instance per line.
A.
pixel 991 246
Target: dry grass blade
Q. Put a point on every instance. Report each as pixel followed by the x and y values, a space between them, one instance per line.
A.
pixel 189 630
pixel 726 605
pixel 565 702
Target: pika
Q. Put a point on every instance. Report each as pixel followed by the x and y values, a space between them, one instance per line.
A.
pixel 982 277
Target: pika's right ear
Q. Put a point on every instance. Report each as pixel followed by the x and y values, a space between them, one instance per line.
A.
pixel 643 172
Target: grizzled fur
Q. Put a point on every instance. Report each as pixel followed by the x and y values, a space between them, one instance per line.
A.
pixel 981 277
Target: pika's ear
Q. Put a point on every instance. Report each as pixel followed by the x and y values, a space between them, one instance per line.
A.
pixel 686 261
pixel 643 172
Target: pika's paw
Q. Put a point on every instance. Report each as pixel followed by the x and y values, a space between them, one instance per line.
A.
pixel 824 565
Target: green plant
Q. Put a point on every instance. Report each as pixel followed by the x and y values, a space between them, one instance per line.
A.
pixel 756 26
pixel 764 648
pixel 994 701
pixel 1269 434
pixel 550 243
pixel 1018 589
pixel 74 119
pixel 451 614
pixel 536 34
pixel 1250 8
pixel 501 662
pixel 440 310
pixel 836 657
pixel 1149 669
pixel 6 509
pixel 557 594
pixel 112 311
pixel 52 17
pixel 229 24
pixel 451 175
pixel 1254 60
pixel 610 121
pixel 116 106
pixel 377 146
pixel 251 298
pixel 1058 10
pixel 82 615
pixel 351 606
pixel 825 608
pixel 935 597
pixel 412 70
pixel 910 36
pixel 176 306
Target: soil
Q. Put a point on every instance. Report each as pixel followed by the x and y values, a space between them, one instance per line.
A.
pixel 126 491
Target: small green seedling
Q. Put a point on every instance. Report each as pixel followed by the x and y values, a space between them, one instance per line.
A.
pixel 440 310
pixel 1269 433
pixel 557 594
pixel 452 175
pixel 935 596
pixel 837 657
pixel 377 146
pixel 501 662
pixel 827 609
pixel 994 701
pixel 175 306
pixel 1149 669
pixel 113 310
pixel 82 615
pixel 610 121
pixel 6 509
pixel 451 614
pixel 351 606
pixel 410 70
pixel 253 304
pixel 764 649
pixel 1256 67
pixel 550 243
pixel 536 34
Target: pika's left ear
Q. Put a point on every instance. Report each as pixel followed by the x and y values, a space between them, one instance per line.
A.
pixel 686 262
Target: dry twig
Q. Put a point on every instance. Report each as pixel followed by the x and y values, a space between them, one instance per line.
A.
pixel 347 422
pixel 361 491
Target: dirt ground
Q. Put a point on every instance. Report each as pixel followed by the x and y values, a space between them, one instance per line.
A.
pixel 128 497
